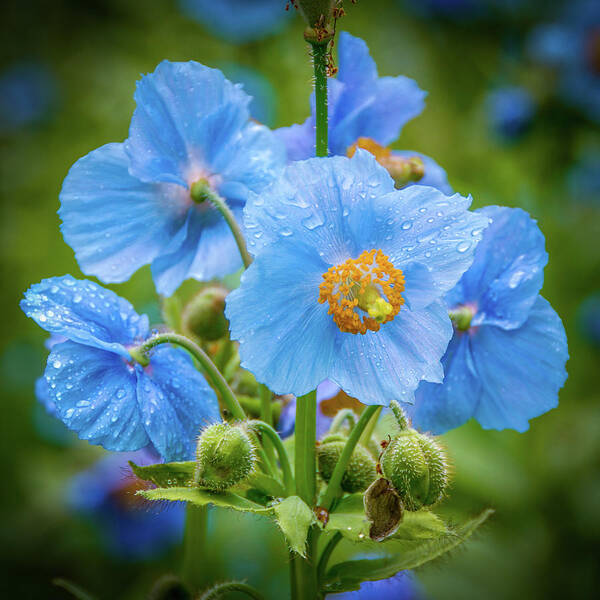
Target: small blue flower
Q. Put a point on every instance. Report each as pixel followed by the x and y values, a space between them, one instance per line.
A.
pixel 27 95
pixel 510 111
pixel 338 225
pixel 571 46
pixel 506 361
pixel 129 528
pixel 363 105
pixel 96 388
pixel 238 21
pixel 127 205
pixel 402 586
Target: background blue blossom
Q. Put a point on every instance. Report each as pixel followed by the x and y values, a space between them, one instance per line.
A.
pixel 509 365
pixel 96 389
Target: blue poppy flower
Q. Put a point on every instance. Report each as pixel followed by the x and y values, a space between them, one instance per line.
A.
pixel 348 279
pixel 571 47
pixel 506 361
pixel 127 205
pixel 402 586
pixel 28 92
pixel 97 389
pixel 363 105
pixel 238 21
pixel 129 528
pixel 510 111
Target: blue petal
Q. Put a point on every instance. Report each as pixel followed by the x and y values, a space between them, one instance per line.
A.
pixel 84 312
pixel 286 337
pixel 175 402
pixel 434 176
pixel 204 249
pixel 389 364
pixel 114 222
pixel 521 370
pixel 420 224
pixel 322 200
pixel 186 114
pixel 298 139
pixel 95 395
pixel 440 407
pixel 238 21
pixel 507 273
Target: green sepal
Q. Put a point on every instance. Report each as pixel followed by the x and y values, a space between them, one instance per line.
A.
pixel 348 517
pixel 164 475
pixel 400 554
pixel 202 497
pixel 294 518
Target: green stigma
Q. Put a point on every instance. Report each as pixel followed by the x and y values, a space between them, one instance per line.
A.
pixel 374 304
pixel 461 317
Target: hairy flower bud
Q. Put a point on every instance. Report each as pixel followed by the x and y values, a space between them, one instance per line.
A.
pixel 360 472
pixel 225 456
pixel 417 467
pixel 204 315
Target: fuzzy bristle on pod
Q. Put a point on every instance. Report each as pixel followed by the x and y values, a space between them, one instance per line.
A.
pixel 225 456
pixel 416 465
pixel 360 472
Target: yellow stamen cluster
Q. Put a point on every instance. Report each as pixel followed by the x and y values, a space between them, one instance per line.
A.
pixel 363 292
pixel 403 170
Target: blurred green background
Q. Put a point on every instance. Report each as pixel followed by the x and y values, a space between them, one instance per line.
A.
pixel 543 541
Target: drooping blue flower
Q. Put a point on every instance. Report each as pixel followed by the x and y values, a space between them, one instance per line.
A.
pixel 510 111
pixel 402 586
pixel 127 205
pixel 363 105
pixel 571 46
pixel 28 92
pixel 506 361
pixel 97 389
pixel 333 225
pixel 129 528
pixel 239 21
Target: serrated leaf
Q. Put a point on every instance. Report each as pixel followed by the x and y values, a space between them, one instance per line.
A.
pixel 294 518
pixel 348 517
pixel 399 555
pixel 162 475
pixel 202 497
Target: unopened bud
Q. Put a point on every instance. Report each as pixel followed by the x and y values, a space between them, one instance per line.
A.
pixel 204 315
pixel 225 456
pixel 360 472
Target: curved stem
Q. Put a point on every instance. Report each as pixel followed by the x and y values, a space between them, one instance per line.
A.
pixel 305 460
pixel 140 355
pixel 333 488
pixel 320 65
pixel 271 434
pixel 346 414
pixel 221 589
pixel 367 434
pixel 326 555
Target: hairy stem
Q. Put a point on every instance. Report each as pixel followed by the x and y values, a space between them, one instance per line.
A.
pixel 319 51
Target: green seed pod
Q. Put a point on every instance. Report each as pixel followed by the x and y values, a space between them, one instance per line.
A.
pixel 417 467
pixel 225 456
pixel 383 508
pixel 360 472
pixel 204 315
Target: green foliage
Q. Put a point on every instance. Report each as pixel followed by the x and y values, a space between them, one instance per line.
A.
pixel 294 518
pixel 399 554
pixel 175 474
pixel 360 472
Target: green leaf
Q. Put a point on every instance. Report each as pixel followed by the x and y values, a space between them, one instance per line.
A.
pixel 348 517
pixel 202 497
pixel 398 556
pixel 175 474
pixel 264 483
pixel 294 517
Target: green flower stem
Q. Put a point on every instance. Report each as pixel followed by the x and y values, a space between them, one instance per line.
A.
pixel 326 555
pixel 266 415
pixel 346 414
pixel 269 433
pixel 222 590
pixel 306 431
pixel 196 521
pixel 139 354
pixel 306 573
pixel 202 192
pixel 319 51
pixel 367 434
pixel 266 464
pixel 333 488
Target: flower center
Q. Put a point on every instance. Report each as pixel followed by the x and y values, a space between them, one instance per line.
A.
pixel 402 170
pixel 363 292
